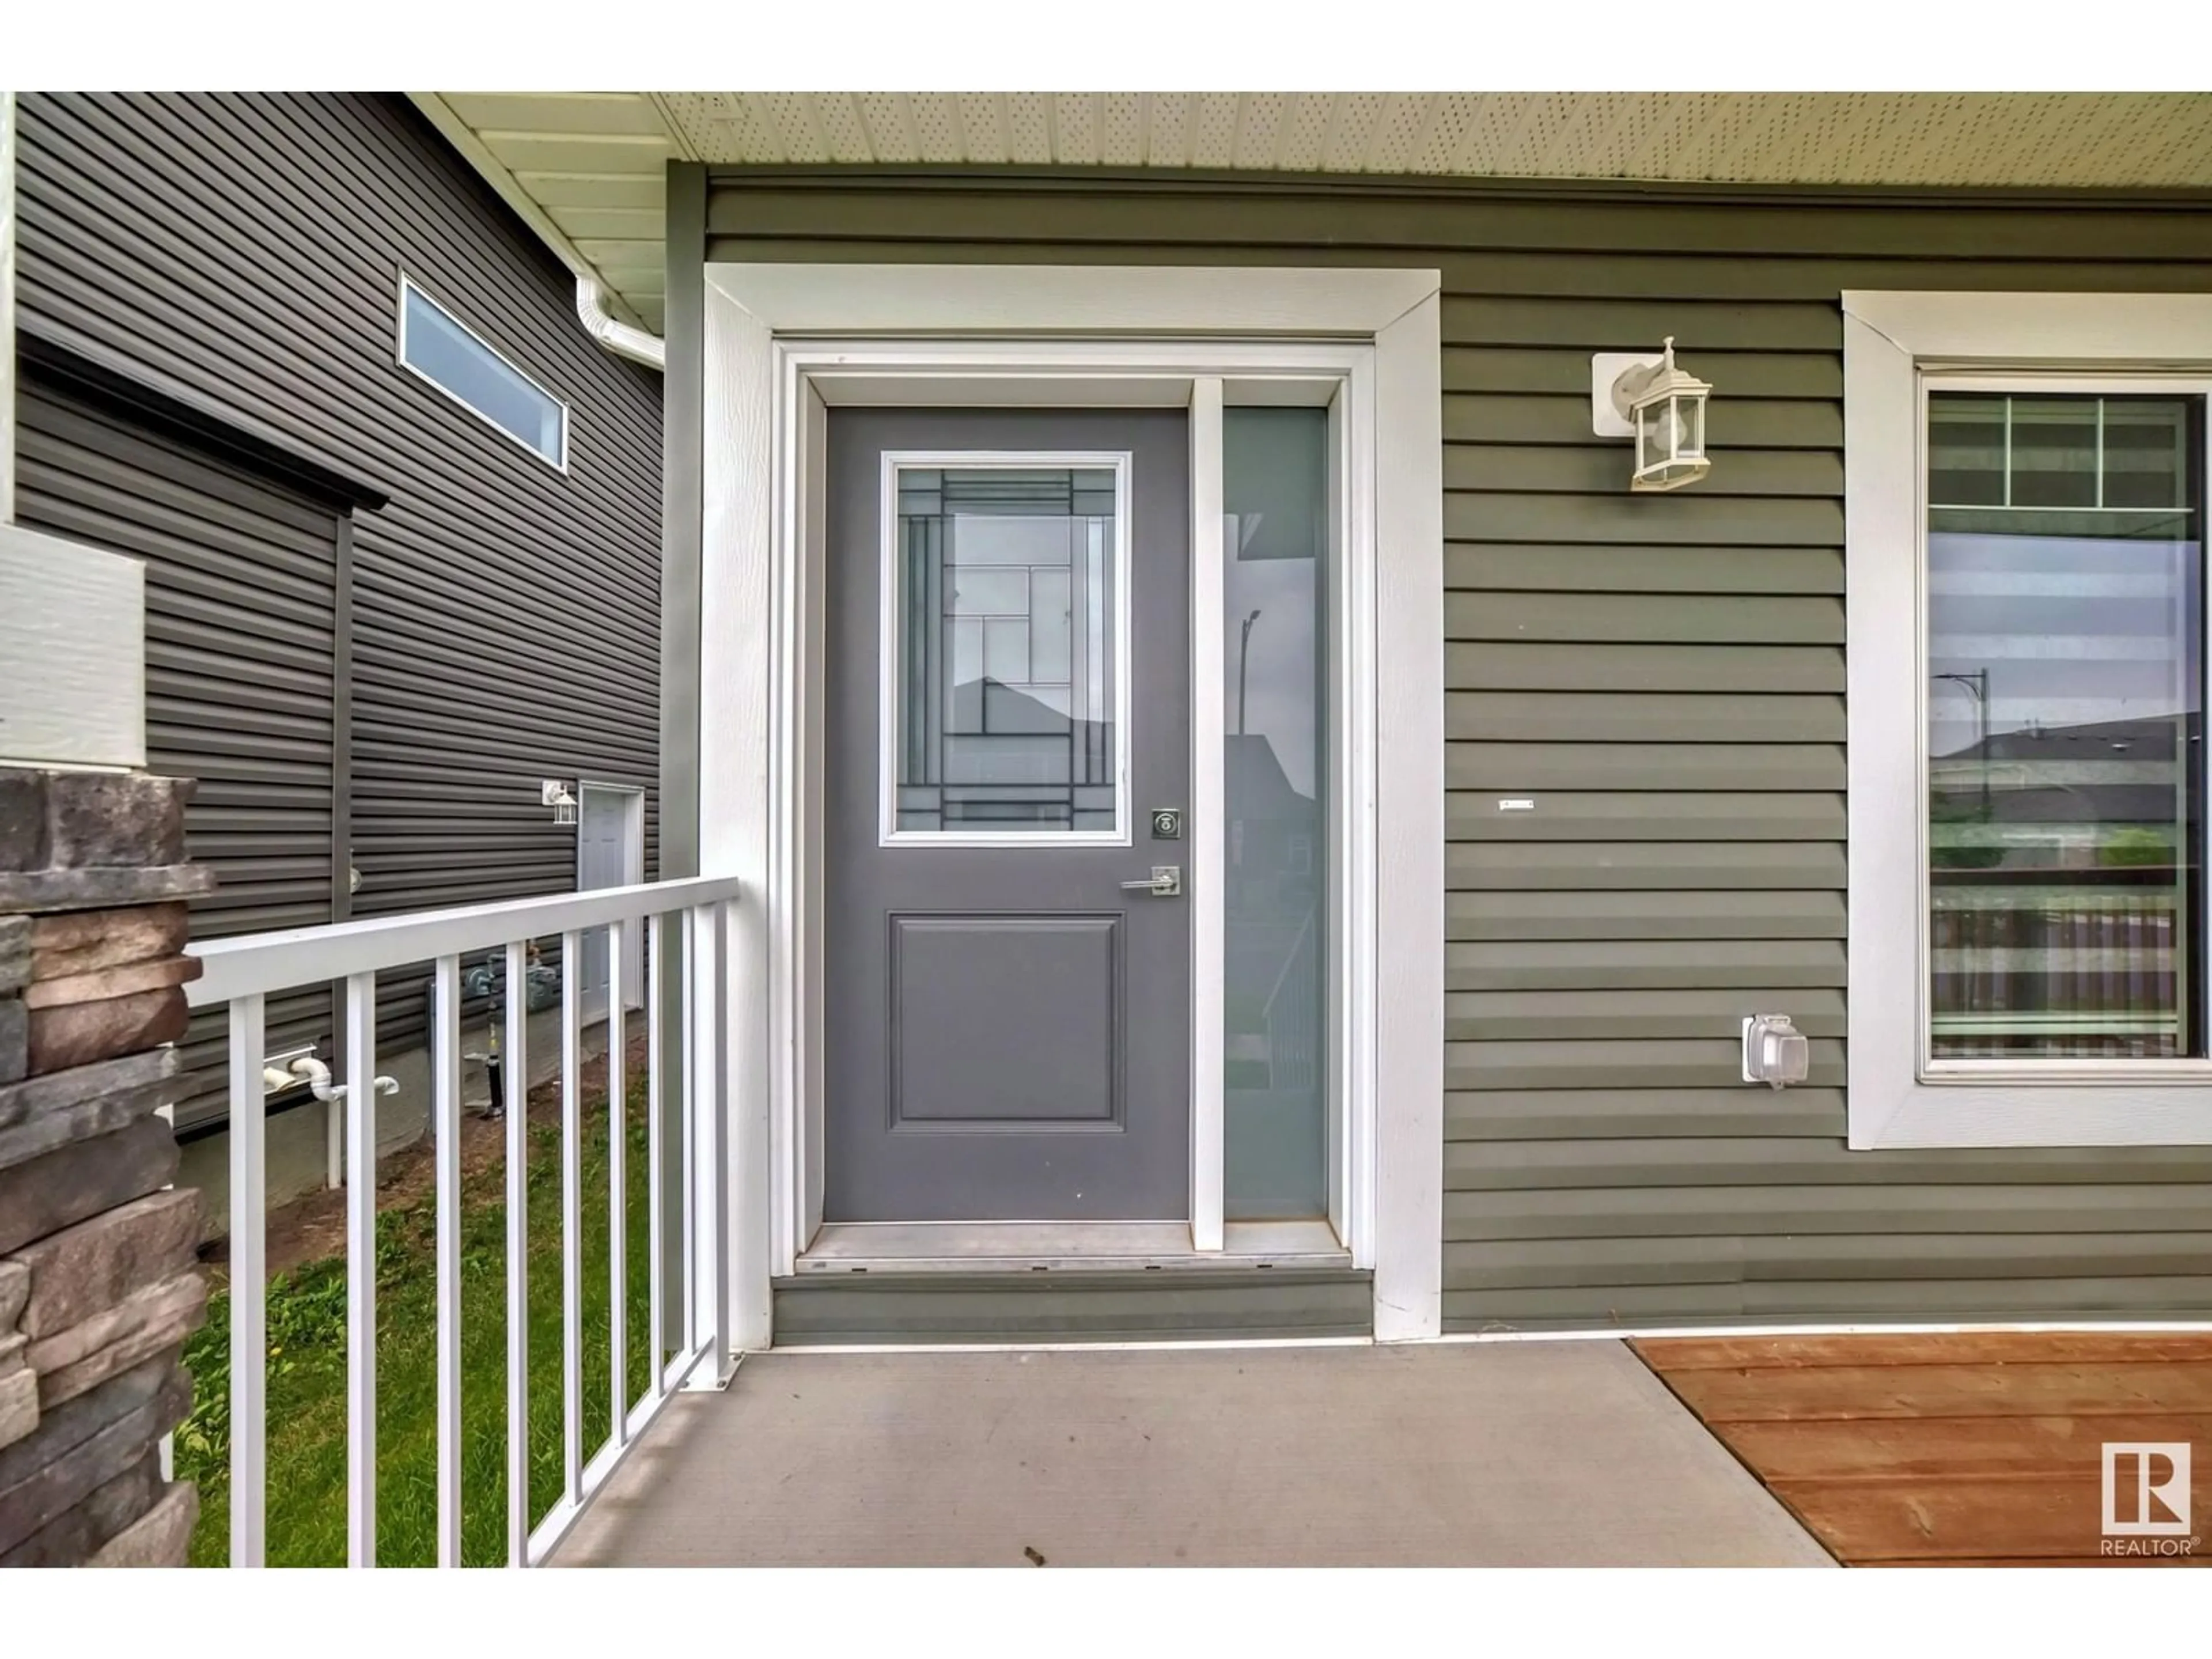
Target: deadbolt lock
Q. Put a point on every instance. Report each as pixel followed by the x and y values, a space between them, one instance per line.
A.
pixel 1167 823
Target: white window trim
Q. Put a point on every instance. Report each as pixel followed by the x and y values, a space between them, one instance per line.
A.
pixel 890 625
pixel 763 409
pixel 409 285
pixel 1892 340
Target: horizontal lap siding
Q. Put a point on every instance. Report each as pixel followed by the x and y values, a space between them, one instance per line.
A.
pixel 1663 676
pixel 246 251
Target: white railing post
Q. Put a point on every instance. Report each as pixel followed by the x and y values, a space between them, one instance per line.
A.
pixel 706 1088
pixel 571 1215
pixel 165 1448
pixel 361 1269
pixel 656 980
pixel 619 937
pixel 743 1186
pixel 716 1098
pixel 445 1148
pixel 687 1126
pixel 249 1289
pixel 517 1052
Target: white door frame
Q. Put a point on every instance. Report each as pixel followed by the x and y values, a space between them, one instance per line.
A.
pixel 1158 374
pixel 782 342
pixel 633 873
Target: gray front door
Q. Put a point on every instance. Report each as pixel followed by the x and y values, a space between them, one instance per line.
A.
pixel 1007 1026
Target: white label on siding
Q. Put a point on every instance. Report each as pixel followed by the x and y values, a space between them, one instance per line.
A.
pixel 1516 805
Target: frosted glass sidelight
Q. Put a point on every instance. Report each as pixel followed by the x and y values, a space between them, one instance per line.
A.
pixel 1275 583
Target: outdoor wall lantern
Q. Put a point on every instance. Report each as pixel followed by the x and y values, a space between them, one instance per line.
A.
pixel 555 793
pixel 1658 404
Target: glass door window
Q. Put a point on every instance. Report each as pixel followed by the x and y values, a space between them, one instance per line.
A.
pixel 1005 642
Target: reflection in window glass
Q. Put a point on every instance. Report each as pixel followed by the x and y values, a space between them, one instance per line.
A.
pixel 1274 586
pixel 435 346
pixel 2065 725
pixel 1006 650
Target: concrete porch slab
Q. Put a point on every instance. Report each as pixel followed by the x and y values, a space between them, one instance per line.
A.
pixel 1526 1454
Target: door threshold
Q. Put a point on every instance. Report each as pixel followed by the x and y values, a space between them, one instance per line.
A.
pixel 1050 1246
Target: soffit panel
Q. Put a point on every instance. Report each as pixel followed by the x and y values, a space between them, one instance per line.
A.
pixel 594 163
pixel 2056 140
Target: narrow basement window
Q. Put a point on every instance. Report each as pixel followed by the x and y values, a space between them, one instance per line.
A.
pixel 451 356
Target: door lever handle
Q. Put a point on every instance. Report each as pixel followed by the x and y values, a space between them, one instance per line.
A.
pixel 1166 882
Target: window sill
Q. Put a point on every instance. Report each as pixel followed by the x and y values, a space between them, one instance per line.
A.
pixel 1981 1110
pixel 2064 1074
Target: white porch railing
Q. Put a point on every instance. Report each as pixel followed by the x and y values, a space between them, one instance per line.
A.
pixel 245 972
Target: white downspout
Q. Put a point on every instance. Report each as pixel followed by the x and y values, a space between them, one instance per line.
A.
pixel 618 337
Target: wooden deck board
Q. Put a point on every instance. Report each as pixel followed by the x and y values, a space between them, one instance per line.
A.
pixel 1671 1354
pixel 1914 1516
pixel 1974 1449
pixel 1946 1447
pixel 1795 1393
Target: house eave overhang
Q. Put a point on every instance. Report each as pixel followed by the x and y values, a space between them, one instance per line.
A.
pixel 588 171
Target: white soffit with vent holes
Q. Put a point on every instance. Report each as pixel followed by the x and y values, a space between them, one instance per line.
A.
pixel 591 166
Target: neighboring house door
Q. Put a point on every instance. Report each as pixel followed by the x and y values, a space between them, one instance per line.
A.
pixel 241 621
pixel 1007 1031
pixel 610 853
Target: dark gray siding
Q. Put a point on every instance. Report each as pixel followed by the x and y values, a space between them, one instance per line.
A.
pixel 245 251
pixel 240 580
pixel 1077 1306
pixel 1668 673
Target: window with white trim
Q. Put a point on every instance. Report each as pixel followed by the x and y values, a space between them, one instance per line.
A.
pixel 444 351
pixel 2026 593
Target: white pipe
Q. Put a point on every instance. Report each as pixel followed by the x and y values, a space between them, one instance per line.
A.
pixel 317 1076
pixel 618 337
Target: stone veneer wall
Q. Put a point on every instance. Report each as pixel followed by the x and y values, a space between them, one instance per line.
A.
pixel 99 1281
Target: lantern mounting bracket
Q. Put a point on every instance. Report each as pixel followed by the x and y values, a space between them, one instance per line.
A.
pixel 1611 373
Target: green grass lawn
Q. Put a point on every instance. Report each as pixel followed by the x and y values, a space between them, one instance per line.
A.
pixel 307 1367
